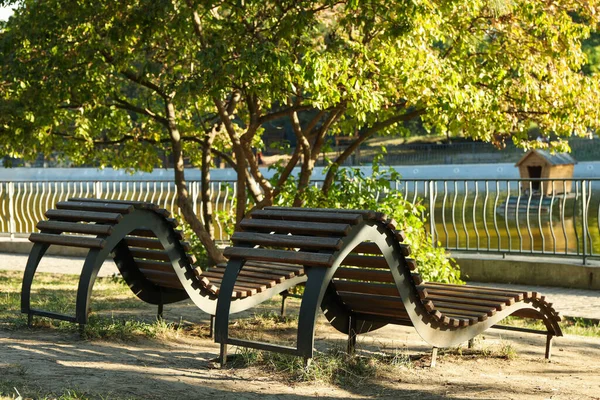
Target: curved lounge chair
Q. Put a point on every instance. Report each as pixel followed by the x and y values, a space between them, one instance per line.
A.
pixel 150 254
pixel 358 272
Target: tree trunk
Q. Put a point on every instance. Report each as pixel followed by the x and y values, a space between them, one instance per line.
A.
pixel 207 211
pixel 183 200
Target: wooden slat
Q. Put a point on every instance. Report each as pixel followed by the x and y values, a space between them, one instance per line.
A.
pixel 366 287
pixel 297 257
pixel 463 313
pixel 480 289
pixel 373 300
pixel 67 240
pixel 149 233
pixel 250 288
pixel 499 306
pixel 358 306
pixel 75 227
pixel 367 247
pixel 137 204
pixel 276 266
pixel 269 283
pixel 158 255
pixel 465 307
pixel 295 227
pixel 411 264
pixel 86 216
pixel 295 241
pixel 364 274
pixel 368 214
pixel 253 273
pixel 270 272
pixel 154 265
pixel 449 291
pixel 356 260
pixel 99 207
pixel 160 278
pixel 150 243
pixel 303 215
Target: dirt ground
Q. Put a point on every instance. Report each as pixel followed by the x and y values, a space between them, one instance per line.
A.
pixel 185 367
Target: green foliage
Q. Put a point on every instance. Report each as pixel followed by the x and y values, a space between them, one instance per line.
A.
pixel 355 190
pixel 198 249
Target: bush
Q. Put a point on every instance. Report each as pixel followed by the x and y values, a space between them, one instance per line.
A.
pixel 352 189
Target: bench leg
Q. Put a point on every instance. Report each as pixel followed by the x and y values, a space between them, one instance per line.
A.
pixel 434 352
pixel 549 346
pixel 159 312
pixel 284 296
pixel 307 362
pixel 211 327
pixel 471 343
pixel 81 330
pixel 223 354
pixel 29 320
pixel 351 334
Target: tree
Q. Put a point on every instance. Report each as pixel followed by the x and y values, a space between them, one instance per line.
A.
pixel 122 82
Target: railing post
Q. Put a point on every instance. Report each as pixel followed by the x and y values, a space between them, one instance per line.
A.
pixel 98 189
pixel 12 225
pixel 432 213
pixel 584 219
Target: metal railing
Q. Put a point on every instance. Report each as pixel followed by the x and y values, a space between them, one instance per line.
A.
pixel 537 216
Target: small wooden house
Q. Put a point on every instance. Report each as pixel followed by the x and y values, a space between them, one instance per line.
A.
pixel 543 164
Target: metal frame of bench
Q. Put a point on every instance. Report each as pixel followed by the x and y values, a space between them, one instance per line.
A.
pixel 358 272
pixel 151 255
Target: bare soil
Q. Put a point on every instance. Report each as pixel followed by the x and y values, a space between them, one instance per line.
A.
pixel 51 361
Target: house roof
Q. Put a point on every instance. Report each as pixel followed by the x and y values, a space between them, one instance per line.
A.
pixel 552 159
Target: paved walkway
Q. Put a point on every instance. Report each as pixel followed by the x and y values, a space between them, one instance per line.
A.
pixel 569 302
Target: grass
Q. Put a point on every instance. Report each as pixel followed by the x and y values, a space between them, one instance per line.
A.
pixel 569 325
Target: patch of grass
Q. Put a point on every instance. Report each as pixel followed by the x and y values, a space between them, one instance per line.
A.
pixel 335 366
pixel 110 328
pixel 504 350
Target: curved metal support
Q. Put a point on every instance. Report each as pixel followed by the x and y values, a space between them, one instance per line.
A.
pixel 37 252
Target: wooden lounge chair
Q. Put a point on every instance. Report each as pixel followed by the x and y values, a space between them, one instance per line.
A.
pixel 360 274
pixel 150 254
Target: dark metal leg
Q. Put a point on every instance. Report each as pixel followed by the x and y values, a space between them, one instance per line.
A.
pixel 549 346
pixel 81 330
pixel 434 352
pixel 351 334
pixel 307 362
pixel 29 320
pixel 223 354
pixel 211 328
pixel 284 296
pixel 471 343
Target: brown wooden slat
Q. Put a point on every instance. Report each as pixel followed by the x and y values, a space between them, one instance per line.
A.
pixel 499 306
pixel 276 266
pixel 269 283
pixel 151 243
pixel 299 257
pixel 86 216
pixel 250 288
pixel 366 287
pixel 373 300
pixel 68 240
pixel 400 236
pixel 449 291
pixel 304 215
pixel 137 204
pixel 154 265
pixel 270 272
pixel 253 273
pixel 364 274
pixel 367 214
pixel 411 263
pixel 357 305
pixel 75 227
pixel 463 313
pixel 293 241
pixel 143 232
pixel 295 227
pixel 479 289
pixel 367 247
pixel 464 307
pixel 160 278
pixel 417 278
pixel 99 207
pixel 356 260
pixel 158 255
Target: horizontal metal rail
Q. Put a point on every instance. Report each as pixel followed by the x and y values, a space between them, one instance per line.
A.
pixel 558 217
